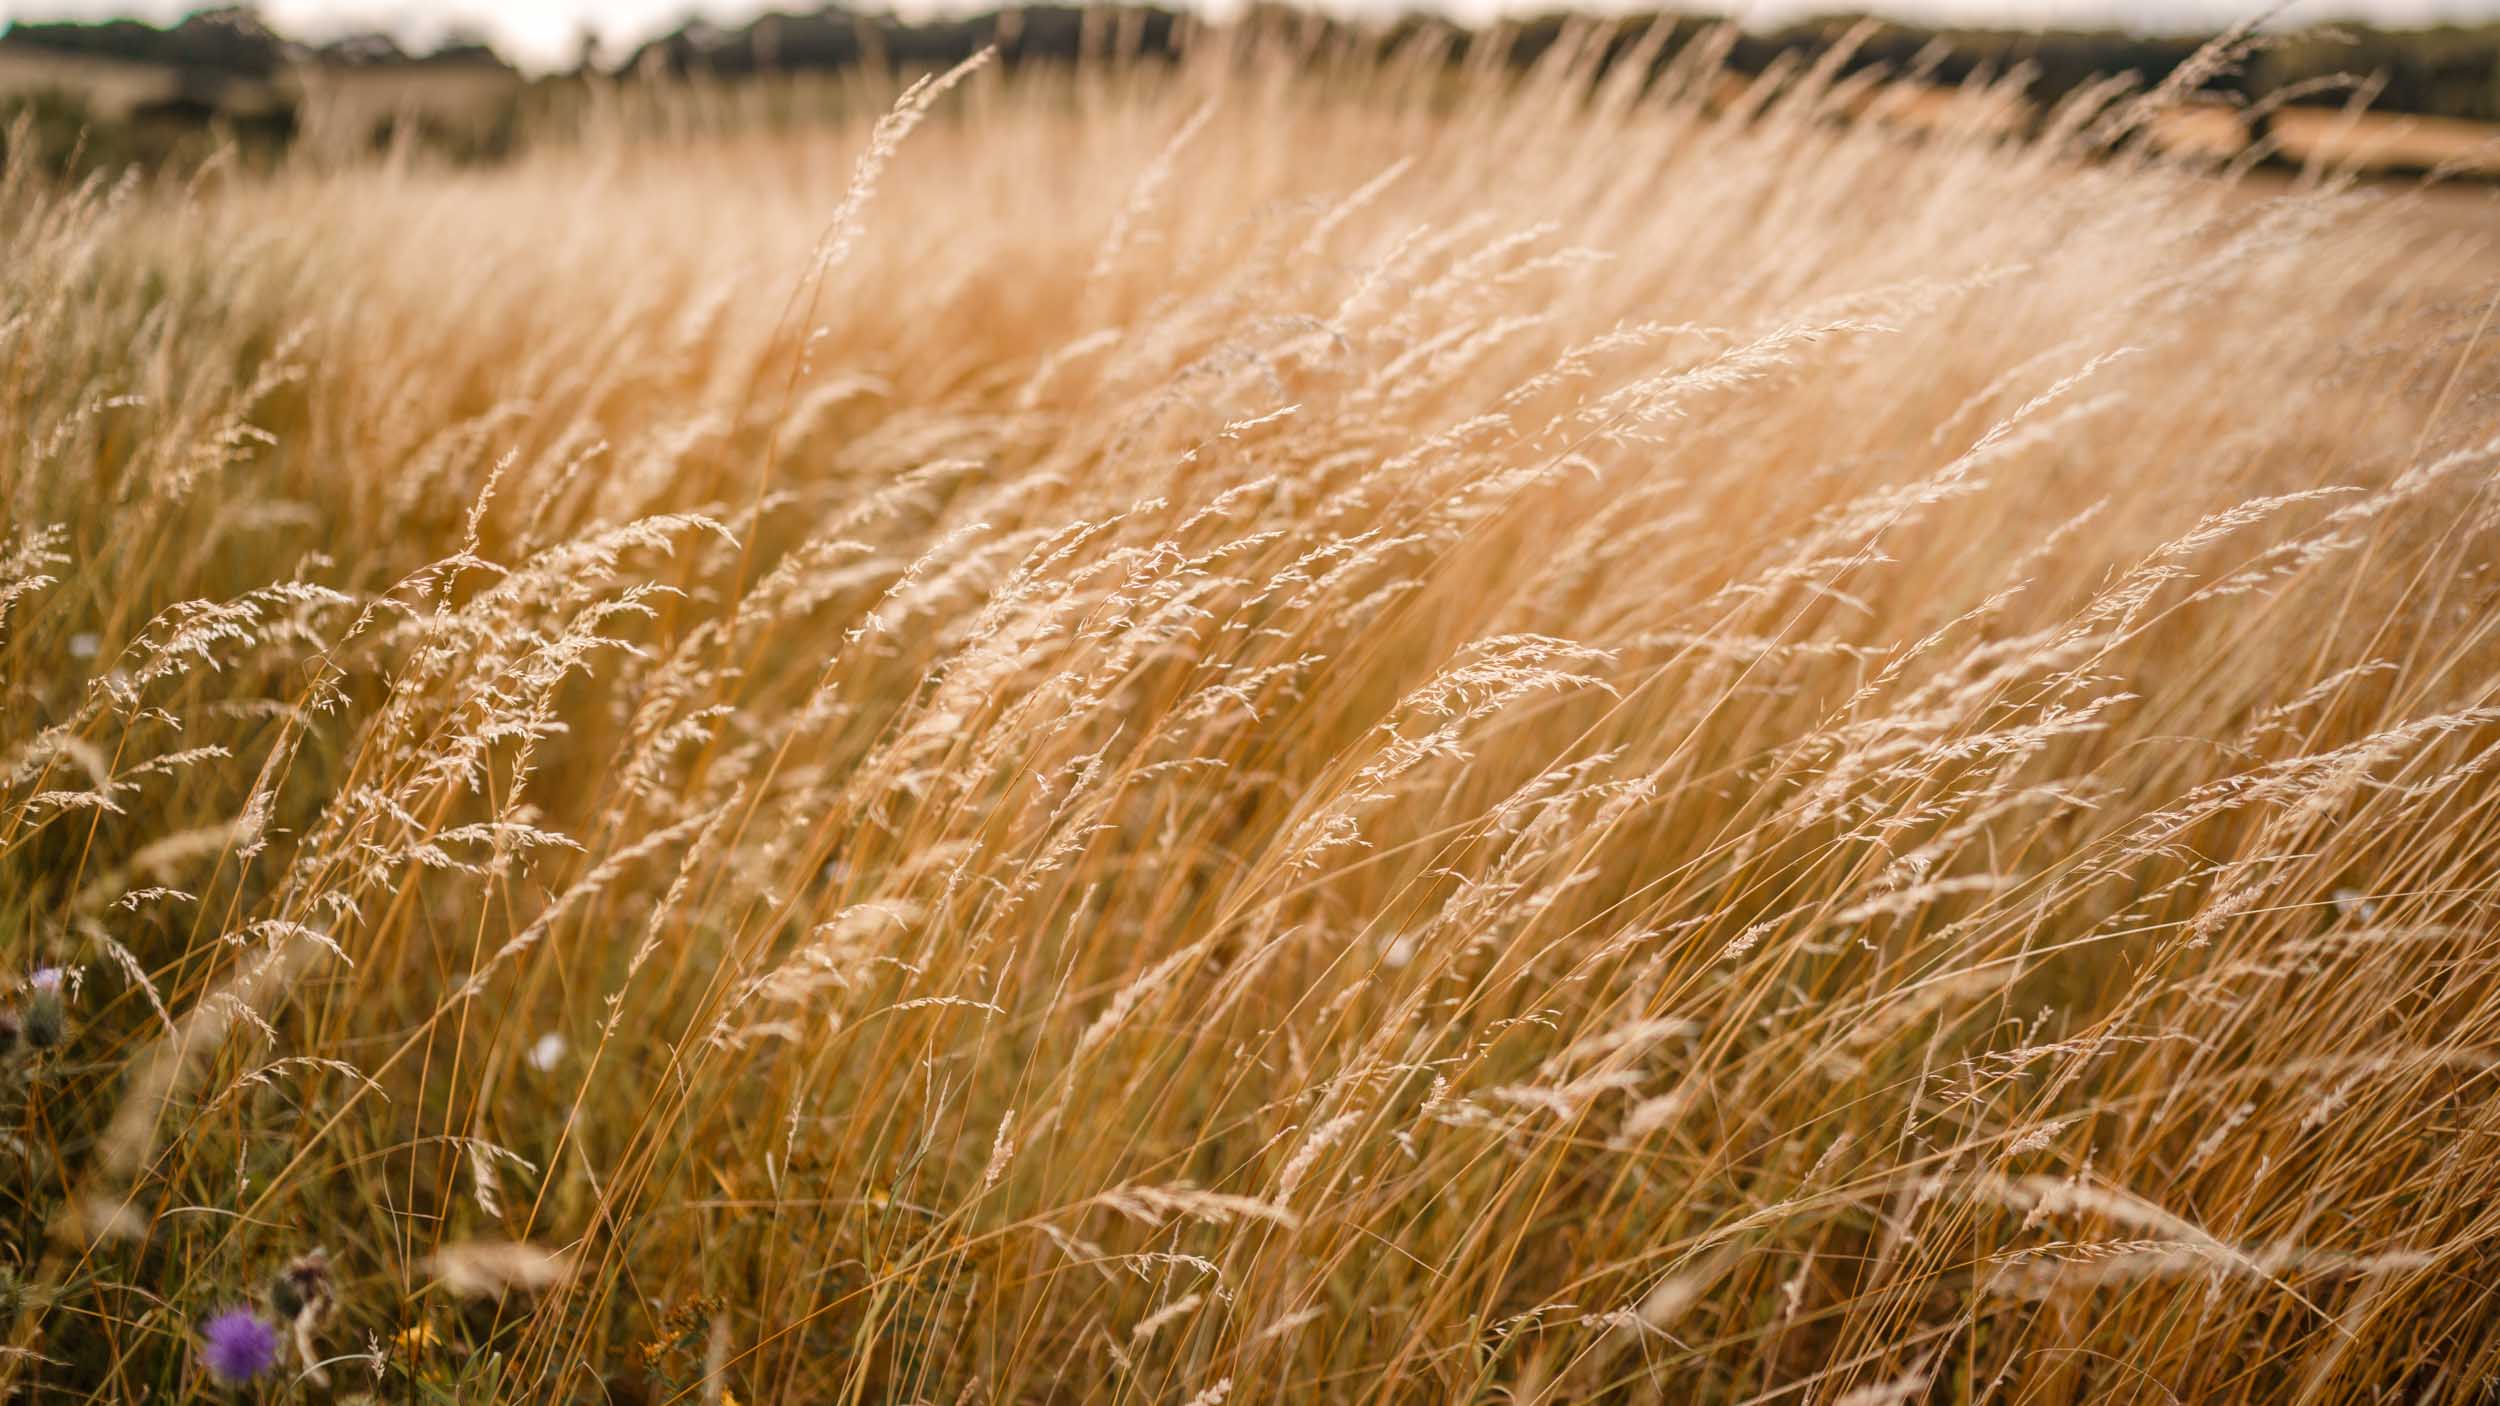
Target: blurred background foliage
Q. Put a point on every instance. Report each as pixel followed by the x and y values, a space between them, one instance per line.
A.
pixel 100 96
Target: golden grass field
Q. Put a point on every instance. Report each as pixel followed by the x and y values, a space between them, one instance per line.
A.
pixel 1286 731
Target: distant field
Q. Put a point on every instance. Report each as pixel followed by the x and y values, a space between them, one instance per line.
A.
pixel 1297 730
pixel 2364 142
pixel 344 107
pixel 2371 141
pixel 111 90
pixel 333 109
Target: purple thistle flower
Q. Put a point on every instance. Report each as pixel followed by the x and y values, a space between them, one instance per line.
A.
pixel 238 1345
pixel 46 979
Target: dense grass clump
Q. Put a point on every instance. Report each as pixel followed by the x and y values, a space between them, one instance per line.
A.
pixel 1268 732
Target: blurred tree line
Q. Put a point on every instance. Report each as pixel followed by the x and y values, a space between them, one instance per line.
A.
pixel 230 40
pixel 2449 71
pixel 229 73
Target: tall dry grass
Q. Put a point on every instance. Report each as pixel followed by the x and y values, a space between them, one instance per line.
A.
pixel 1291 731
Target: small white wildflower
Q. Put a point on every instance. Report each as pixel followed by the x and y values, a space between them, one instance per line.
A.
pixel 546 1052
pixel 86 644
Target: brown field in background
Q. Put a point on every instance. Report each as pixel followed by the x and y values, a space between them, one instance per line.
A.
pixel 1290 731
pixel 2368 140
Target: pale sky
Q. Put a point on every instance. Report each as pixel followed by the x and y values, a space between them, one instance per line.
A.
pixel 542 33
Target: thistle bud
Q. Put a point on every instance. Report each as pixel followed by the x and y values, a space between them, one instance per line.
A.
pixel 304 1290
pixel 43 1022
pixel 302 1295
